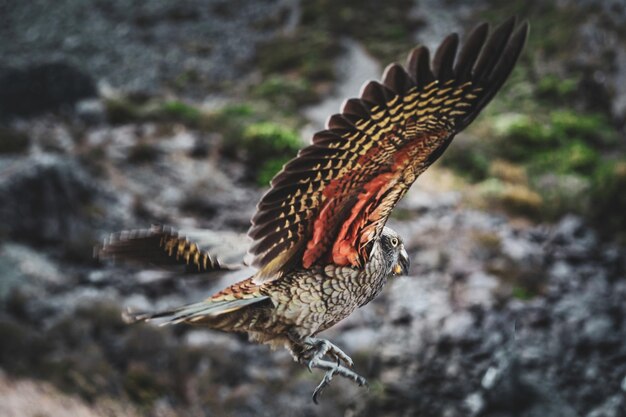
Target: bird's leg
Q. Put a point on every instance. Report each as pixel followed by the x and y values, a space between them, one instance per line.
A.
pixel 310 351
pixel 321 348
pixel 333 369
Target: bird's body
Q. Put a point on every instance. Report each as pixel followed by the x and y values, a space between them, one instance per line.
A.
pixel 299 305
pixel 320 242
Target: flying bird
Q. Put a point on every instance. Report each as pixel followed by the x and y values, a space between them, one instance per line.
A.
pixel 320 243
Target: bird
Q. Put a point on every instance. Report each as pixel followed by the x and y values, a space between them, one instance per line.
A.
pixel 320 244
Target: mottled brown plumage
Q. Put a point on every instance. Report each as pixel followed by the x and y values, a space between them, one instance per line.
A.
pixel 320 240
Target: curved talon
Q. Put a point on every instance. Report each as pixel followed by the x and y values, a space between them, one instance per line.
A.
pixel 333 369
pixel 323 384
pixel 311 353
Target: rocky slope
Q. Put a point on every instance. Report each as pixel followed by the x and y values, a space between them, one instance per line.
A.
pixel 501 315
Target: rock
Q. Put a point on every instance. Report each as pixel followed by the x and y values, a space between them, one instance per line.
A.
pixel 457 326
pixel 51 200
pixel 144 48
pixel 612 407
pixel 91 111
pixel 568 228
pixel 475 403
pixel 597 329
pixel 42 88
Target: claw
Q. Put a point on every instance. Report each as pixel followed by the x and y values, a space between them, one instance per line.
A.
pixel 328 376
pixel 312 356
pixel 322 347
pixel 333 369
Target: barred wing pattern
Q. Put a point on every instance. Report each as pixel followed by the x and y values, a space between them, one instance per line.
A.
pixel 331 202
pixel 162 247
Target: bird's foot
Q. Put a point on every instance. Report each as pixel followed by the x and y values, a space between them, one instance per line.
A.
pixel 321 348
pixel 333 369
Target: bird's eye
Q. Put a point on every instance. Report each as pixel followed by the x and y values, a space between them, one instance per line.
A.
pixel 393 241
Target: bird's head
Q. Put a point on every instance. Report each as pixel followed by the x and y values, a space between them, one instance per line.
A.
pixel 397 258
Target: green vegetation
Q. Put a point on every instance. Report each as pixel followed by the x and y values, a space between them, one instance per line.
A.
pixel 609 198
pixel 246 134
pixel 554 87
pixel 267 139
pixel 542 163
pixel 127 110
pixel 271 146
pixel 286 92
pixel 546 145
pixel 522 293
pixel 179 111
pixel 386 31
pixel 242 130
pixel 299 66
pixel 270 168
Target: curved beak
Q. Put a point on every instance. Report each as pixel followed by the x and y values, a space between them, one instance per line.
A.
pixel 402 267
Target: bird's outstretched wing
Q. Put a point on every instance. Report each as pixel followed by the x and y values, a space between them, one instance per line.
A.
pixel 159 246
pixel 329 203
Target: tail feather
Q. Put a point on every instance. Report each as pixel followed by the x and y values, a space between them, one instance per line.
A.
pixel 203 311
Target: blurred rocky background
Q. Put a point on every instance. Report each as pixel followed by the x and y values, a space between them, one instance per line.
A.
pixel 119 114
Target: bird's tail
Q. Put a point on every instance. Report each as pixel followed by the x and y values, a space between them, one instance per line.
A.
pixel 217 313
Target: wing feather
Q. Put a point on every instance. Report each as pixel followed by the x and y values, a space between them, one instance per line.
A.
pixel 331 202
pixel 160 246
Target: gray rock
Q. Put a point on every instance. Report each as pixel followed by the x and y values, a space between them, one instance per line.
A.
pixel 614 406
pixel 42 87
pixel 51 200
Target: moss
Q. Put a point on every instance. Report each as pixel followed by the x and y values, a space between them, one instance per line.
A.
pixel 575 157
pixel 12 141
pixel 508 172
pixel 142 386
pixel 268 140
pixel 122 110
pixel 564 138
pixel 546 38
pixel 298 68
pixel 609 199
pixel 556 88
pixel 593 128
pixel 489 241
pixel 309 54
pixel 269 169
pixel 519 137
pixel 522 293
pixel 468 160
pixel 129 110
pixel 304 59
pixel 512 198
pixel 179 111
pixel 286 92
pixel 237 110
pixel 230 122
pixel 187 78
pixel 562 193
pixel 387 35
